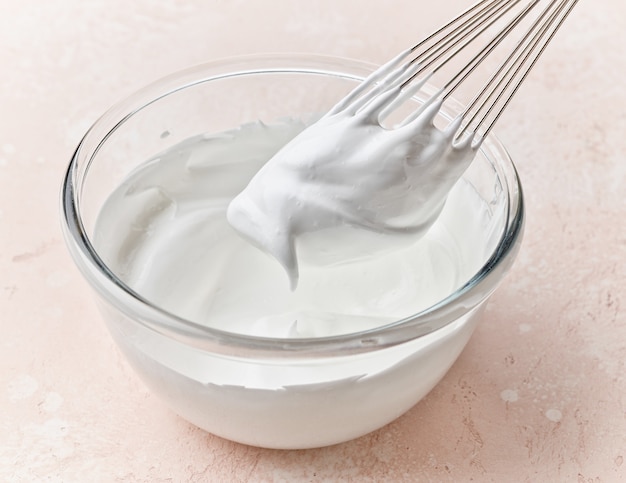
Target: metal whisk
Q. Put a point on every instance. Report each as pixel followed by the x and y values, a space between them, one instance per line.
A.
pixel 356 175
pixel 488 23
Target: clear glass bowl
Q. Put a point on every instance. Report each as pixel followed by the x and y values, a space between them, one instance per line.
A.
pixel 278 393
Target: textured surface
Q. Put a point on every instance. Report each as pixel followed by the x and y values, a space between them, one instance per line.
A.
pixel 538 395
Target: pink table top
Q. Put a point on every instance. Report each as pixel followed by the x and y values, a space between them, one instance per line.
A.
pixel 539 394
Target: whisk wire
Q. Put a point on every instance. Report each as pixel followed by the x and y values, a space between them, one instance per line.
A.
pixel 494 42
pixel 379 78
pixel 464 36
pixel 406 76
pixel 458 33
pixel 495 82
pixel 529 58
pixel 451 23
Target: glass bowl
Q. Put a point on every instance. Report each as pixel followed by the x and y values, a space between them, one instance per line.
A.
pixel 262 391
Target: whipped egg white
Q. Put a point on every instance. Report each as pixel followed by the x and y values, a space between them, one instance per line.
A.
pixel 164 233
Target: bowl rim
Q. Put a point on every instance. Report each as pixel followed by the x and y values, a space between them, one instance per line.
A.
pixel 148 314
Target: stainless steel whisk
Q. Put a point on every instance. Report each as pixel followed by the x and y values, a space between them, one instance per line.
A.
pixel 488 23
pixel 360 174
